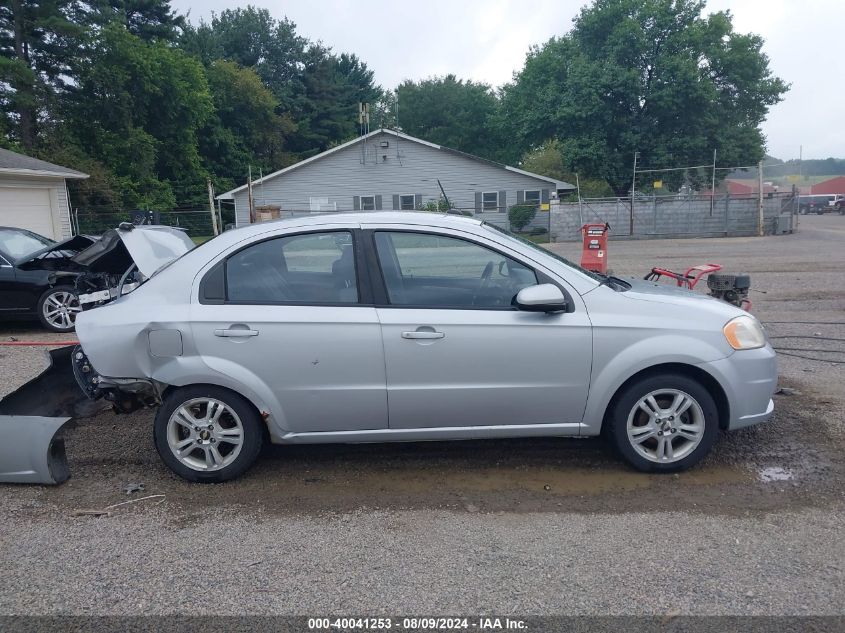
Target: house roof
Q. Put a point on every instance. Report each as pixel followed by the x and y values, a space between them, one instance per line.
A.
pixel 20 165
pixel 559 184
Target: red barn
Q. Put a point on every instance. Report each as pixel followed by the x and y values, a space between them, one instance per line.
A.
pixel 834 185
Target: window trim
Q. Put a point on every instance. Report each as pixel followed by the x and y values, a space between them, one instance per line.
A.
pixel 361 202
pixel 484 209
pixel 381 297
pixel 362 275
pixel 413 198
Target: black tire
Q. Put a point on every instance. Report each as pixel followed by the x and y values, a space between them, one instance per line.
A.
pixel 615 427
pixel 252 439
pixel 55 292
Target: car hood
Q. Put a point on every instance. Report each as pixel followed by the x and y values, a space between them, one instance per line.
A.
pixel 680 297
pixel 148 247
pixel 49 256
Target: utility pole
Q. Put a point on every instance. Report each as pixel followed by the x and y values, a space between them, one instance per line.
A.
pixel 250 199
pixel 760 198
pixel 633 190
pixel 211 207
pixel 713 184
pixel 578 188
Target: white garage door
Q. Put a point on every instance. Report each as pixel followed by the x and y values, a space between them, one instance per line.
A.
pixel 27 209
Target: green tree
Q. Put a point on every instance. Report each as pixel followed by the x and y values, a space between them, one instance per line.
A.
pixel 452 112
pixel 39 42
pixel 147 19
pixel 653 76
pixel 313 86
pixel 244 130
pixel 548 160
pixel 137 108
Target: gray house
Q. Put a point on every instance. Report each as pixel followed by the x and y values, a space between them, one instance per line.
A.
pixel 388 170
pixel 33 195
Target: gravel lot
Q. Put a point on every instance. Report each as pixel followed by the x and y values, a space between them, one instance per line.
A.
pixel 511 527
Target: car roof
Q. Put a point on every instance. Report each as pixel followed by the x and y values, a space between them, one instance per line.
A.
pixel 381 217
pixel 441 220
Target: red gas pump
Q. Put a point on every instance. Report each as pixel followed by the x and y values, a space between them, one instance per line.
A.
pixel 594 253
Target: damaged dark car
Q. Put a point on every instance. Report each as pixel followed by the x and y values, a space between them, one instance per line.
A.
pixel 38 278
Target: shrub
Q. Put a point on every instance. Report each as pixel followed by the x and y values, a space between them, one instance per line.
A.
pixel 520 215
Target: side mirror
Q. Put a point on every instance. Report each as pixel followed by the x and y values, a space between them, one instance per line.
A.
pixel 541 298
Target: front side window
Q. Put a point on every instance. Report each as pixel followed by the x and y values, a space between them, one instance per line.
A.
pixel 490 201
pixel 428 270
pixel 308 268
pixel 368 203
pixel 406 203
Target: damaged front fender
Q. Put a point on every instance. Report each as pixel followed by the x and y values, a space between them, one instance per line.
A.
pixel 32 421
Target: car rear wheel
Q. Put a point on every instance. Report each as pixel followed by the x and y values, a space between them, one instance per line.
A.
pixel 207 433
pixel 663 423
pixel 57 309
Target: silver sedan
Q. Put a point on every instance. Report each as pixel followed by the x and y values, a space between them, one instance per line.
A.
pixel 379 327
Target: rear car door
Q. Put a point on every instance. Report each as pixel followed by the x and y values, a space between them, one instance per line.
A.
pixel 457 352
pixel 292 313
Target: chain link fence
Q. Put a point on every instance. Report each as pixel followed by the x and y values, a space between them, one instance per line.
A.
pixel 196 222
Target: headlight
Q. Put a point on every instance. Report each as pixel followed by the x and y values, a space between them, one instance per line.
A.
pixel 744 332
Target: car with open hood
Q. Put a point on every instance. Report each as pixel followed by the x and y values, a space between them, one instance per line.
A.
pixel 377 327
pixel 38 277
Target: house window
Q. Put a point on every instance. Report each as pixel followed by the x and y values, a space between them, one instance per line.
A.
pixel 368 203
pixel 406 202
pixel 490 201
pixel 532 197
pixel 321 204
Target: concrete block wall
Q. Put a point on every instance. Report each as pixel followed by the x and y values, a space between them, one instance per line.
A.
pixel 672 217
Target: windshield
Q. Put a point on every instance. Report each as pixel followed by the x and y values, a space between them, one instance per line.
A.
pixel 17 243
pixel 545 251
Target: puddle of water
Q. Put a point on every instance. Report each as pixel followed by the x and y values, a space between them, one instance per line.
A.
pixel 774 473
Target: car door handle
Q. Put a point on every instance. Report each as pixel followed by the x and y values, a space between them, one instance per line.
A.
pixel 235 333
pixel 423 334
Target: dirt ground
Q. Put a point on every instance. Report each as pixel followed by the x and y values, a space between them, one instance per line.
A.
pixel 786 473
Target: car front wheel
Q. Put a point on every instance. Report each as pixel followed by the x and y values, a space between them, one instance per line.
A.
pixel 207 434
pixel 57 309
pixel 663 423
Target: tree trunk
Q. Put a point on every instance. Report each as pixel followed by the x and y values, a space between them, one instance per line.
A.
pixel 24 100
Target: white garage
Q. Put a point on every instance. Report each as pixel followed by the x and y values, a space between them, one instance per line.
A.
pixel 33 195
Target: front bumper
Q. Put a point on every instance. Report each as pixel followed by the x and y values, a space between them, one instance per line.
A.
pixel 749 378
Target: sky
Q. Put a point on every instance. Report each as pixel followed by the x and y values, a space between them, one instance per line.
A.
pixel 487 40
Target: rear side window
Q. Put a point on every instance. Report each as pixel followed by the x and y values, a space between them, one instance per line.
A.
pixel 311 268
pixel 427 270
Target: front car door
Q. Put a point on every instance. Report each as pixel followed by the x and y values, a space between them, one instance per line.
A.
pixel 457 353
pixel 289 312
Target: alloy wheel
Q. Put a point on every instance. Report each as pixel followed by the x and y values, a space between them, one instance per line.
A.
pixel 60 309
pixel 205 434
pixel 665 426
